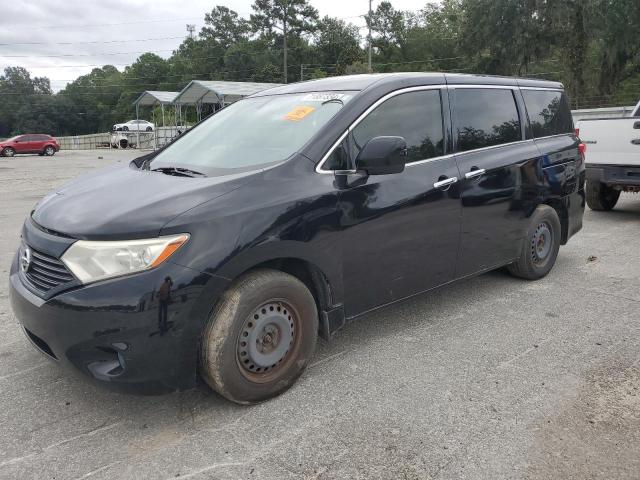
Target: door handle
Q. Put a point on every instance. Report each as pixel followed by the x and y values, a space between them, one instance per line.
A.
pixel 446 182
pixel 475 173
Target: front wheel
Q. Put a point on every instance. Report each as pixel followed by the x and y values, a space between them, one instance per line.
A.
pixel 601 197
pixel 149 129
pixel 49 151
pixel 540 246
pixel 125 129
pixel 260 337
pixel 8 152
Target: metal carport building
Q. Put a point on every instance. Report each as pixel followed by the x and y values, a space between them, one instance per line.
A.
pixel 201 92
pixel 151 98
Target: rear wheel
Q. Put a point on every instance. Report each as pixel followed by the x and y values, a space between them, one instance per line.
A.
pixel 149 129
pixel 49 151
pixel 601 197
pixel 260 337
pixel 8 152
pixel 540 246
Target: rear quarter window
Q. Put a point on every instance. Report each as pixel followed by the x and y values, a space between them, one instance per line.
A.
pixel 549 112
pixel 485 117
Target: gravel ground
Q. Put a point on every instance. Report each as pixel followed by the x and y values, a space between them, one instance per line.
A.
pixel 488 378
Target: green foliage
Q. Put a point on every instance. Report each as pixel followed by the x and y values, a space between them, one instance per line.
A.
pixel 590 45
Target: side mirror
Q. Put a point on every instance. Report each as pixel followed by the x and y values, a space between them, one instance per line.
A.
pixel 383 156
pixel 636 125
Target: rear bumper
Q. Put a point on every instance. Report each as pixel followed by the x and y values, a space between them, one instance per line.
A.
pixel 614 174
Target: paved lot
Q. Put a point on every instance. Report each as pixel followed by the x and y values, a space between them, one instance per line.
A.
pixel 489 378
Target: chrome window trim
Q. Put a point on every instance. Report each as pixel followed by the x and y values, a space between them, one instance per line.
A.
pixel 493 147
pixel 362 116
pixel 554 136
pixel 389 95
pixel 550 89
pixel 492 87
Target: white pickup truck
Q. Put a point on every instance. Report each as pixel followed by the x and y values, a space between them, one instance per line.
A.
pixel 612 158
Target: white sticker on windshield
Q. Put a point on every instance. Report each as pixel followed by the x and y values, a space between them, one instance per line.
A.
pixel 322 96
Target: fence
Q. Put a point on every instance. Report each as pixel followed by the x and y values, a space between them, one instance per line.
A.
pixel 148 140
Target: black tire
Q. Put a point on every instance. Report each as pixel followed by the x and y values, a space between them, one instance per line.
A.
pixel 540 246
pixel 273 311
pixel 125 128
pixel 600 197
pixel 149 129
pixel 8 152
pixel 49 151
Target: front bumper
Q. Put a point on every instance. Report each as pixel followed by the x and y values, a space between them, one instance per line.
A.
pixel 118 332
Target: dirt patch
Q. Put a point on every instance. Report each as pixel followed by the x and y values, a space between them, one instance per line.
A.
pixel 598 435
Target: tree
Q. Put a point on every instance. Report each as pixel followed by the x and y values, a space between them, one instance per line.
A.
pixel 224 27
pixel 505 35
pixel 337 43
pixel 389 28
pixel 286 16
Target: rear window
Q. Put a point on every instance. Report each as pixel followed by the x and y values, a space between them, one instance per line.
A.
pixel 485 117
pixel 549 112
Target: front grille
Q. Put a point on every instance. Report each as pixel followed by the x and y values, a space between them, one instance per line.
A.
pixel 46 272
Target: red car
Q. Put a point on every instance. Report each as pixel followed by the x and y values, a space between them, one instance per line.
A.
pixel 30 143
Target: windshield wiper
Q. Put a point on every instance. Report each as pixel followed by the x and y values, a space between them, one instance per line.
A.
pixel 178 172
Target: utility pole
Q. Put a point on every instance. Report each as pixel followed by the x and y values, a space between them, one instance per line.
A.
pixel 369 22
pixel 191 28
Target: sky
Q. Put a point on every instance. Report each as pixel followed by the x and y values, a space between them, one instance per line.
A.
pixel 63 39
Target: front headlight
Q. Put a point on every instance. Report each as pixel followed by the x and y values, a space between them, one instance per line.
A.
pixel 91 261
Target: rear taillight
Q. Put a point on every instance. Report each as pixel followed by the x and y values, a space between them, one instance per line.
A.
pixel 577 130
pixel 582 148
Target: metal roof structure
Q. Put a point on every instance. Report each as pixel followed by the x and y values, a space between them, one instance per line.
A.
pixel 203 91
pixel 151 97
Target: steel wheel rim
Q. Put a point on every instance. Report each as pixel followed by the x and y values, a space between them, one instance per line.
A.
pixel 267 340
pixel 541 243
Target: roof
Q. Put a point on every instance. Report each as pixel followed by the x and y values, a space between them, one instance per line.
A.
pixel 151 97
pixel 215 92
pixel 361 82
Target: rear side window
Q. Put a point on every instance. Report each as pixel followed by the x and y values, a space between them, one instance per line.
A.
pixel 485 117
pixel 415 116
pixel 549 112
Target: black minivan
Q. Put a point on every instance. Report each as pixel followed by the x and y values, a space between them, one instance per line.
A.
pixel 288 213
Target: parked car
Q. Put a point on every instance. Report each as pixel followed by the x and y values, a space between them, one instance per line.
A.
pixel 613 159
pixel 135 126
pixel 30 143
pixel 229 250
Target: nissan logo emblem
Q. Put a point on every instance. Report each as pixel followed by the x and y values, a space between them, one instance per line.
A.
pixel 25 259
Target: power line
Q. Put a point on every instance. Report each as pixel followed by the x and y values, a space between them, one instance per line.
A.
pixel 93 42
pixel 100 54
pixel 86 25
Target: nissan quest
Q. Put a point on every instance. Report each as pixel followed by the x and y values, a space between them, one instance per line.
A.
pixel 279 218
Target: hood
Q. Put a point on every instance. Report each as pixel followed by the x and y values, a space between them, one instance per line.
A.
pixel 123 202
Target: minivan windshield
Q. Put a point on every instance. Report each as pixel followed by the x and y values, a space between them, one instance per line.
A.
pixel 253 132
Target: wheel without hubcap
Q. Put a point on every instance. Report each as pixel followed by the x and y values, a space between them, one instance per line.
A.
pixel 541 245
pixel 260 337
pixel 265 340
